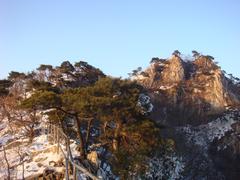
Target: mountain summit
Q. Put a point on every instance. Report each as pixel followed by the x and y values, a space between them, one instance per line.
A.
pixel 193 89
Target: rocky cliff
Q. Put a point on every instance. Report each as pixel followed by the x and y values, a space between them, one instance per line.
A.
pixel 190 88
pixel 198 104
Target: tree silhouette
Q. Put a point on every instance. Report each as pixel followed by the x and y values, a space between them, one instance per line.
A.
pixel 195 54
pixel 209 57
pixel 66 67
pixel 4 85
pixel 14 76
pixel 176 53
pixel 45 71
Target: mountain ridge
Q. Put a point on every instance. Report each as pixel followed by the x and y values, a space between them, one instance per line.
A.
pixel 179 118
pixel 199 85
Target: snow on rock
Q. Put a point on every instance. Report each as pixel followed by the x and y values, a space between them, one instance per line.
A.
pixel 6 138
pixel 165 167
pixel 5 133
pixel 4 128
pixel 45 159
pixel 38 156
pixel 3 125
pixel 204 134
pixel 39 143
pixel 74 148
pixel 144 103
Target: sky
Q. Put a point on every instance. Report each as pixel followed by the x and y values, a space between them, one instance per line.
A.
pixel 116 36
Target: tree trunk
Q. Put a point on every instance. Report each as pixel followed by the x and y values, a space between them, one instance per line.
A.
pixel 23 170
pixel 116 137
pixel 8 115
pixel 8 165
pixel 21 160
pixel 88 131
pixel 31 134
pixel 62 126
pixel 80 137
pixel 104 127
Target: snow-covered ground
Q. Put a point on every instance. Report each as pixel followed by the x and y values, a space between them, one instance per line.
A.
pixel 5 136
pixel 37 156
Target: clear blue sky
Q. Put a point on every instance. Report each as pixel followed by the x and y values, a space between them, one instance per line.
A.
pixel 116 36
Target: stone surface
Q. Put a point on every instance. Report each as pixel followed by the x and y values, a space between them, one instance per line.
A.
pixel 188 89
pixel 93 157
pixel 225 153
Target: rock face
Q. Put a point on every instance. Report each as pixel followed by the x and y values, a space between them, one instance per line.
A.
pixel 216 90
pixel 225 153
pixel 163 72
pixel 174 71
pixel 207 149
pixel 190 89
pixel 93 158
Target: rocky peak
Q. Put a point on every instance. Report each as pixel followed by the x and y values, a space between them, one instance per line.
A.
pixel 162 72
pixel 173 71
pixel 194 88
pixel 205 62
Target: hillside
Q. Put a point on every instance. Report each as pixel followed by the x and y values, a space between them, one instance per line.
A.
pixel 177 119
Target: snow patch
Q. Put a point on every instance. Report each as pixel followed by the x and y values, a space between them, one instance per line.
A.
pixel 6 138
pixel 144 103
pixel 165 167
pixel 204 134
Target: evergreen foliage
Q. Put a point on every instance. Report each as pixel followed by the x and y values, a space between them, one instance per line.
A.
pixel 113 103
pixel 4 85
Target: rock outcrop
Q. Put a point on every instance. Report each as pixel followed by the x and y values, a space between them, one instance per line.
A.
pixel 225 153
pixel 162 72
pixel 190 89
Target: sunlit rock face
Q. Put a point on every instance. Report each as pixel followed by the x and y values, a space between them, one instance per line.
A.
pixel 215 86
pixel 163 72
pixel 174 70
pixel 190 89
